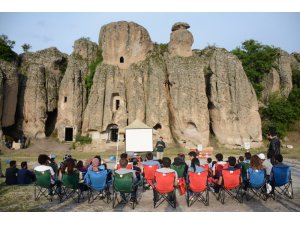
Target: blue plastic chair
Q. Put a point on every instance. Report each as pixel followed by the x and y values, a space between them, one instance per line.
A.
pixel 281 182
pixel 97 186
pixel 256 185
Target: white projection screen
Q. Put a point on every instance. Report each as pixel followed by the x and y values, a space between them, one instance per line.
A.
pixel 139 140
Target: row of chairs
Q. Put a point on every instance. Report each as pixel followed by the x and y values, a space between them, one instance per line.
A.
pixel 197 189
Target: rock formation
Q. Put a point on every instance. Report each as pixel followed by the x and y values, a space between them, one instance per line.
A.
pixel 40 78
pixel 124 43
pixel 279 79
pixel 72 93
pixel 233 105
pixel 8 93
pixel 181 40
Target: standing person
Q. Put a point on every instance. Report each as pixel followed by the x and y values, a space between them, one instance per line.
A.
pixel 160 147
pixel 274 146
pixel 11 173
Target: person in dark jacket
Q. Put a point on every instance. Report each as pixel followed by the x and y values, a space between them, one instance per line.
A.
pixel 25 176
pixel 11 173
pixel 274 146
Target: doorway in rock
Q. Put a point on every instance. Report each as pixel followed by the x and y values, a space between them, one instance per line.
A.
pixel 112 131
pixel 50 122
pixel 69 134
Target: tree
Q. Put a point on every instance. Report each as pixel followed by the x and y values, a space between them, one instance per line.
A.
pixel 6 52
pixel 257 60
pixel 26 47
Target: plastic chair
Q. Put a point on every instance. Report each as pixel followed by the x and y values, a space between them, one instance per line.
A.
pixel 97 186
pixel 164 189
pixel 197 189
pixel 123 184
pixel 43 186
pixel 281 182
pixel 149 172
pixel 256 184
pixel 70 187
pixel 231 185
pixel 219 168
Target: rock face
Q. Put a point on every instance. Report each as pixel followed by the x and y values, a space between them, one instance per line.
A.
pixel 72 93
pixel 40 78
pixel 124 43
pixel 279 79
pixel 181 40
pixel 233 105
pixel 8 93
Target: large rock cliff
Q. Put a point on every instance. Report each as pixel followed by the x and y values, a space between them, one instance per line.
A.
pixel 8 93
pixel 40 77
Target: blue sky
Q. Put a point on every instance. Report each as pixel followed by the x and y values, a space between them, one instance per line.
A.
pixel 227 30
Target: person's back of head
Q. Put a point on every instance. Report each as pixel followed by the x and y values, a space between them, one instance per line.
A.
pixel 247 155
pixel 43 159
pixel 134 162
pixel 256 163
pixel 79 164
pixel 166 161
pixel 12 163
pixel 279 158
pixel 182 156
pixel 124 156
pixel 231 161
pixel 192 154
pixel 195 162
pixel 24 165
pixel 209 160
pixel 123 163
pixel 219 157
pixel 149 156
pixel 272 131
pixel 69 165
pixel 241 158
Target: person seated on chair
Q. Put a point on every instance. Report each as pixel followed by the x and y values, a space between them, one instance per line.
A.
pixel 231 167
pixel 25 176
pixel 101 166
pixel 68 168
pixel 209 162
pixel 195 167
pixel 266 164
pixel 53 164
pixel 240 161
pixel 123 170
pixel 220 161
pixel 137 169
pixel 245 165
pixel 150 161
pixel 255 164
pixel 182 157
pixel 192 155
pixel 81 167
pixel 11 173
pixel 44 162
pixel 167 169
pixel 179 162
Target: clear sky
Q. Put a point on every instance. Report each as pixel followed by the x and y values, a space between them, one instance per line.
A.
pixel 227 30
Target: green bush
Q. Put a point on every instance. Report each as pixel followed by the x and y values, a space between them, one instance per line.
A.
pixel 282 113
pixel 257 60
pixel 92 69
pixel 83 139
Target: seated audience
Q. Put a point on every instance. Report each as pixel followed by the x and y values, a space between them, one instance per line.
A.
pixel 245 165
pixel 209 162
pixel 240 161
pixel 123 170
pixel 220 161
pixel 150 161
pixel 266 164
pixel 231 167
pixel 137 169
pixel 25 176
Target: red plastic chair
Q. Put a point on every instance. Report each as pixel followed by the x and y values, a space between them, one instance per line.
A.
pixel 197 189
pixel 231 185
pixel 205 166
pixel 149 172
pixel 164 189
pixel 219 168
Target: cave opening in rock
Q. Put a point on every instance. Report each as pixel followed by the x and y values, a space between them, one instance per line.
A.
pixel 50 122
pixel 112 131
pixel 117 104
pixel 157 126
pixel 121 59
pixel 68 133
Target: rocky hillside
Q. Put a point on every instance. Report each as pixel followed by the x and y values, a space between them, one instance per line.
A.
pixel 185 95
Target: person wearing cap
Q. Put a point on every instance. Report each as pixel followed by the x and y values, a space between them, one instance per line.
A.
pixel 274 146
pixel 160 147
pixel 266 164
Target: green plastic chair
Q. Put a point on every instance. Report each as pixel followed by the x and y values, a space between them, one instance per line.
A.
pixel 179 169
pixel 70 187
pixel 43 185
pixel 123 183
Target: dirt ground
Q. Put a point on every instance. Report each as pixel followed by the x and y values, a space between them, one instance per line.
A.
pixel 21 198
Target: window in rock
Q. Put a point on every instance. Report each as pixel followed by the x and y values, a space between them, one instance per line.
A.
pixel 65 99
pixel 121 59
pixel 69 134
pixel 117 104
